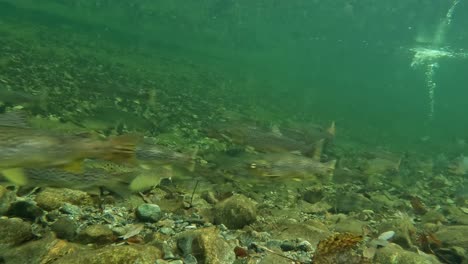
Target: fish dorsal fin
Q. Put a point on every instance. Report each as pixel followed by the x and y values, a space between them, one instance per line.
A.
pixel 318 150
pixel 332 129
pixel 14 119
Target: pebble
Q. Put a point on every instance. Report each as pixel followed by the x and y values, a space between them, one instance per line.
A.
pixel 149 213
pixel 167 231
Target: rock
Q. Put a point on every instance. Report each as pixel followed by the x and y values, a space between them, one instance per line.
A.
pixel 65 228
pixel 99 234
pixel 149 213
pixel 453 236
pixel 313 195
pixel 453 254
pixel 433 216
pixel 14 231
pixel 394 254
pixel 349 225
pixel 209 196
pixel 310 231
pixel 6 198
pixel 70 209
pixel 235 212
pixel 144 254
pixel 272 258
pixel 190 259
pixel 352 202
pixel 25 209
pixel 305 246
pixel 206 245
pixel 403 228
pixel 45 250
pixel 54 198
pixel 288 245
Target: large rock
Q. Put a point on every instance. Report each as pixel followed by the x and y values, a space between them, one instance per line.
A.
pixel 352 202
pixel 235 212
pixel 44 250
pixel 394 254
pixel 6 198
pixel 453 236
pixel 54 198
pixel 96 234
pixel 14 231
pixel 142 254
pixel 207 246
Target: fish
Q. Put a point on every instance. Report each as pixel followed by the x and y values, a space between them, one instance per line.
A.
pixel 276 140
pixel 156 154
pixel 261 139
pixel 309 133
pixel 118 178
pixel 24 147
pixel 292 166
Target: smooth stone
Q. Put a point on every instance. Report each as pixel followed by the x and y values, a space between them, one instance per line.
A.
pixel 98 234
pixel 149 213
pixel 235 212
pixel 53 198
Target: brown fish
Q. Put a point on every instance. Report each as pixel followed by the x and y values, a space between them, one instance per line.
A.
pixel 25 147
pixel 268 140
pixel 118 178
pixel 287 165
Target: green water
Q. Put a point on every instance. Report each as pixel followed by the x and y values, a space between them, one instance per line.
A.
pixel 348 61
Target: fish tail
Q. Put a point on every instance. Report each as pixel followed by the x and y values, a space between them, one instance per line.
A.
pixel 331 165
pixel 332 129
pixel 192 162
pixel 318 149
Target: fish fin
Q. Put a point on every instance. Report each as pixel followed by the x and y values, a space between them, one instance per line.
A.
pixel 74 167
pixel 123 148
pixel 16 176
pixel 332 129
pixel 144 182
pixel 296 152
pixel 318 148
pixel 331 164
pixel 16 118
pixel 192 163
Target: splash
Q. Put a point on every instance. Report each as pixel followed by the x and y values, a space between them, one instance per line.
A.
pixel 428 57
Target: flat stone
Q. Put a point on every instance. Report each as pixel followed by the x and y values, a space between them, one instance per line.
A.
pixel 144 254
pixel 96 234
pixel 54 198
